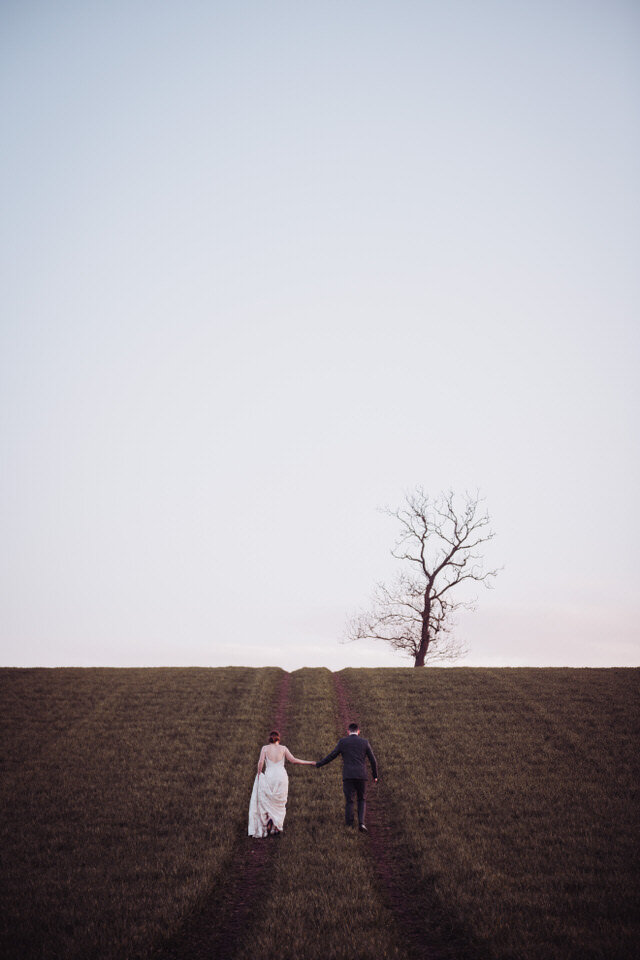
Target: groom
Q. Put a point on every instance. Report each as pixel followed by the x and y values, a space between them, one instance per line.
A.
pixel 354 749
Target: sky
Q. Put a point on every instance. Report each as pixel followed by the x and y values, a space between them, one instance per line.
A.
pixel 267 267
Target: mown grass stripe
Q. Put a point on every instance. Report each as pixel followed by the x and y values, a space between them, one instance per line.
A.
pixel 420 916
pixel 577 708
pixel 220 922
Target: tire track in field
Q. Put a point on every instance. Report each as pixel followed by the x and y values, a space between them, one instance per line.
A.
pixel 412 908
pixel 214 931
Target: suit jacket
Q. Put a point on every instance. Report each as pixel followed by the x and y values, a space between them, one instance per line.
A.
pixel 354 749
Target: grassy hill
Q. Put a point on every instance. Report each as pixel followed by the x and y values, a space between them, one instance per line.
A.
pixel 504 824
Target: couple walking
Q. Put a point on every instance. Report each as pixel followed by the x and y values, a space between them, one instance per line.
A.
pixel 270 788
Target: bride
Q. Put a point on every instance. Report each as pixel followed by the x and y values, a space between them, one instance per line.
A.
pixel 269 797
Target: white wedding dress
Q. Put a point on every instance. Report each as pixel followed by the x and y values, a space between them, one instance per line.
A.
pixel 269 798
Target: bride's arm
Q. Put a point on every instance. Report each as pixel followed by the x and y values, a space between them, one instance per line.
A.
pixel 261 761
pixel 290 757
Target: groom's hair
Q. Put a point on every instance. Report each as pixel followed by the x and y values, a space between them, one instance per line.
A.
pixel 354 727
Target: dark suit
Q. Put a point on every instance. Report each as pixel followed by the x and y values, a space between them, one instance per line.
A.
pixel 354 750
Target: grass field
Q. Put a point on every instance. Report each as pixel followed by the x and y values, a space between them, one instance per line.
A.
pixel 509 799
pixel 117 787
pixel 517 795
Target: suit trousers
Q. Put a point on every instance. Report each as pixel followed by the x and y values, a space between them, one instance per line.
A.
pixel 350 787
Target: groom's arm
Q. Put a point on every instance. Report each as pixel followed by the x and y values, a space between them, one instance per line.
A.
pixel 330 756
pixel 372 761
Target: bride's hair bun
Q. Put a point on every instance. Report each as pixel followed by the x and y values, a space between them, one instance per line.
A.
pixel 274 737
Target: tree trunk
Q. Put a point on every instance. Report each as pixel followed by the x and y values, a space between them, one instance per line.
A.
pixel 424 636
pixel 421 654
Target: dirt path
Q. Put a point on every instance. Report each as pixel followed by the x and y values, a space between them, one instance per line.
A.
pixel 214 931
pixel 410 905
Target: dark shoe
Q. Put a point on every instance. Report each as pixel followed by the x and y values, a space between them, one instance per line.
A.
pixel 349 824
pixel 362 828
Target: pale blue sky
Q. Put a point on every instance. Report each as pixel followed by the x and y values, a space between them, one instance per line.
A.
pixel 266 266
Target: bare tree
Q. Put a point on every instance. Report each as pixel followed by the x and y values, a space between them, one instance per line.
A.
pixel 439 539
